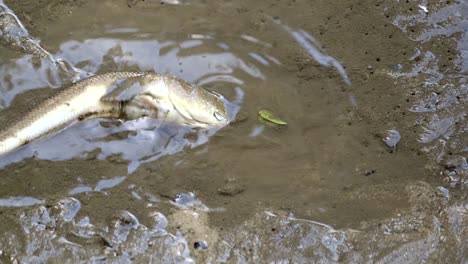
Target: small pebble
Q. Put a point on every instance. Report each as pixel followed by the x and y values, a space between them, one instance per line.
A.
pixel 231 188
pixel 392 138
pixel 200 245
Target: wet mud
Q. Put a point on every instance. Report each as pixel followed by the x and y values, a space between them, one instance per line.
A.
pixel 334 185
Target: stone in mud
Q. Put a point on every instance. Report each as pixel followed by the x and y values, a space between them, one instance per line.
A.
pixel 369 172
pixel 392 138
pixel 131 3
pixel 231 188
pixel 241 117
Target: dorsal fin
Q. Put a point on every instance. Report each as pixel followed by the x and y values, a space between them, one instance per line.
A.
pixel 125 90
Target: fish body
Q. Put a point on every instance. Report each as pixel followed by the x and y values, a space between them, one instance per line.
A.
pixel 127 95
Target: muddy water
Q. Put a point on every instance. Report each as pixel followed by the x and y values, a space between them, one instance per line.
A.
pixel 330 186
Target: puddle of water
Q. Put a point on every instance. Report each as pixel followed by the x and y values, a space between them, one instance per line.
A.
pixel 158 139
pixel 19 201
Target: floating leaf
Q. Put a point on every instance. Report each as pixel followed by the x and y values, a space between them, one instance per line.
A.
pixel 267 115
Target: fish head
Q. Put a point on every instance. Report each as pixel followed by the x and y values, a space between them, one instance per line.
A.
pixel 198 106
pixel 175 100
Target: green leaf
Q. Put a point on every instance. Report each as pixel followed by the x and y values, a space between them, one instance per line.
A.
pixel 267 115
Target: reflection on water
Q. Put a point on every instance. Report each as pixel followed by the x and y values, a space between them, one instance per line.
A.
pixel 100 186
pixel 152 55
pixel 23 74
pixel 19 201
pixel 150 141
pixel 312 46
pixel 52 70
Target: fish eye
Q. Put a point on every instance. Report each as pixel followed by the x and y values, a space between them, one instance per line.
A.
pixel 219 116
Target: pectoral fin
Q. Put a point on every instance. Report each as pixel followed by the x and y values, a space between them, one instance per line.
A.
pixel 125 90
